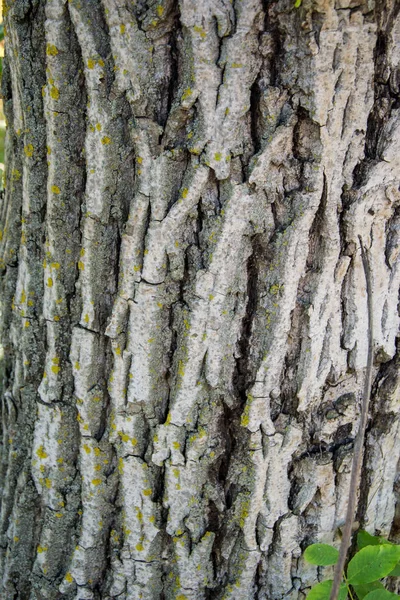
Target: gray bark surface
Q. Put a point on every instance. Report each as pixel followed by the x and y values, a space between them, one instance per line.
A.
pixel 184 310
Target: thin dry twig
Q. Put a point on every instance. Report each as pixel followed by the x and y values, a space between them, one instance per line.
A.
pixel 359 443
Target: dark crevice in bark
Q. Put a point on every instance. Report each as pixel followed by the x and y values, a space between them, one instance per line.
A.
pixel 255 95
pixel 382 421
pixel 243 374
pixel 386 96
pixel 169 90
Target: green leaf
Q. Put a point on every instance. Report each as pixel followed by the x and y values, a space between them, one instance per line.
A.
pixel 395 572
pixel 372 563
pixel 297 4
pixel 365 588
pixel 366 539
pixel 322 591
pixel 321 554
pixel 381 595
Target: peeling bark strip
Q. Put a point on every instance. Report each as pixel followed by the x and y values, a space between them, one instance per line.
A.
pixel 184 309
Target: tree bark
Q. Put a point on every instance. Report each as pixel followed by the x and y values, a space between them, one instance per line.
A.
pixel 184 310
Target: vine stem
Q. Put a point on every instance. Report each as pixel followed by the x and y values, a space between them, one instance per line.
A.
pixel 359 442
pixel 348 587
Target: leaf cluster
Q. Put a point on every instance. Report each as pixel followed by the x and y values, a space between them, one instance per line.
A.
pixel 375 559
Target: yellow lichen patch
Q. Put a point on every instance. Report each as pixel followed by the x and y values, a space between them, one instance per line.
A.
pixel 28 150
pixel 139 514
pixel 100 62
pixel 201 31
pixel 147 492
pixel 41 549
pixel 81 265
pixel 118 351
pixel 15 175
pixel 134 442
pixel 139 160
pixel 96 481
pixel 55 189
pixel 51 50
pixel 55 369
pixel 59 515
pixel 86 318
pixel 87 448
pixel 48 482
pixel 122 29
pixel 235 65
pixel 139 547
pixel 105 140
pixel 176 472
pixel 97 451
pixel 91 63
pixel 96 399
pixel 124 437
pixel 244 420
pixel 121 465
pixel 176 445
pixel 41 453
pixel 152 519
pixel 160 10
pixel 186 94
pixel 55 265
pixel 181 368
pixel 16 539
pixel 244 513
pixel 54 92
pixel 217 156
pixel 98 126
pixel 49 282
pixel 60 461
pixel 69 578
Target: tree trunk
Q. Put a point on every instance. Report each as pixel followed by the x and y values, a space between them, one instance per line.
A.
pixel 184 307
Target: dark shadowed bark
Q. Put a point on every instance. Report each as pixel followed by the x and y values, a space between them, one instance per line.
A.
pixel 184 312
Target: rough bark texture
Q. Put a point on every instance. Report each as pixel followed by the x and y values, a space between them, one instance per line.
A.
pixel 183 301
